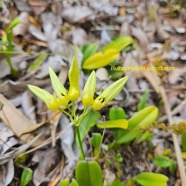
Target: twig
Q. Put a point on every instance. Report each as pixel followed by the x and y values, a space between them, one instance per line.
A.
pixel 174 112
pixel 175 139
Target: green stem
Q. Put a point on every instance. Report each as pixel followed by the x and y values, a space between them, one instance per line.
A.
pixel 82 116
pixel 13 70
pixel 63 111
pixel 80 142
pixel 73 110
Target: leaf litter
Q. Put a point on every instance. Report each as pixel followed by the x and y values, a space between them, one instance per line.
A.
pixel 54 27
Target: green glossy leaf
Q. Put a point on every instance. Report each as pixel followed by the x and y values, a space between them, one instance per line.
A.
pixel 119 123
pixel 26 176
pixel 88 50
pixel 143 101
pixel 115 74
pixel 87 122
pixel 88 173
pixel 116 182
pixel 21 158
pixel 165 162
pixel 143 118
pixel 14 23
pixel 145 136
pixel 37 62
pixel 116 113
pixel 74 183
pixel 96 140
pixel 118 44
pixel 100 59
pixel 64 182
pixel 119 158
pixel 151 179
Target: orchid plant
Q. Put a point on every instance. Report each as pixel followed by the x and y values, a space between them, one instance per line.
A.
pixel 65 99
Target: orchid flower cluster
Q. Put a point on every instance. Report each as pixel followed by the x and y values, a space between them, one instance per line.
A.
pixel 64 97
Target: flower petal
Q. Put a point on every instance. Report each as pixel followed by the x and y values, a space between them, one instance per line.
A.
pixel 56 84
pixel 74 73
pixel 109 93
pixel 89 90
pixel 51 102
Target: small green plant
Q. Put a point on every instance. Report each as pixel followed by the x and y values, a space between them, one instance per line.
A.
pixel 108 54
pixel 66 182
pixel 143 101
pixel 8 46
pixel 165 162
pixel 65 102
pixel 26 176
pixel 142 119
pixel 89 173
pixel 151 179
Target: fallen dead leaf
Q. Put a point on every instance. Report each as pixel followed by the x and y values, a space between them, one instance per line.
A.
pixel 39 6
pixel 22 28
pixel 46 164
pixel 76 13
pixel 15 120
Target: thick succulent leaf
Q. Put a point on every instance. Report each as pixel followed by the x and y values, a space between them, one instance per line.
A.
pixel 118 44
pixel 64 182
pixel 151 179
pixel 88 50
pixel 119 123
pixel 116 113
pixel 87 122
pixel 143 118
pixel 74 182
pixel 96 140
pixel 100 59
pixel 26 176
pixel 88 173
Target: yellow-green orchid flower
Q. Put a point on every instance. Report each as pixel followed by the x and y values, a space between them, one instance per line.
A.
pixel 51 101
pixel 89 90
pixel 109 93
pixel 73 75
pixel 58 87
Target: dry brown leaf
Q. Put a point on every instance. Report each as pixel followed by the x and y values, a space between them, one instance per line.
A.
pixel 153 79
pixel 22 28
pixel 15 120
pixel 38 6
pixel 140 35
pixel 76 13
pixel 46 165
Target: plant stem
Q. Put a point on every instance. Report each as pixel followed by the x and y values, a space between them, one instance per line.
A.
pixel 80 142
pixel 13 71
pixel 63 111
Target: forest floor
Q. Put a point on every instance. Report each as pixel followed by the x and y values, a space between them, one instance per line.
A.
pixel 42 141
